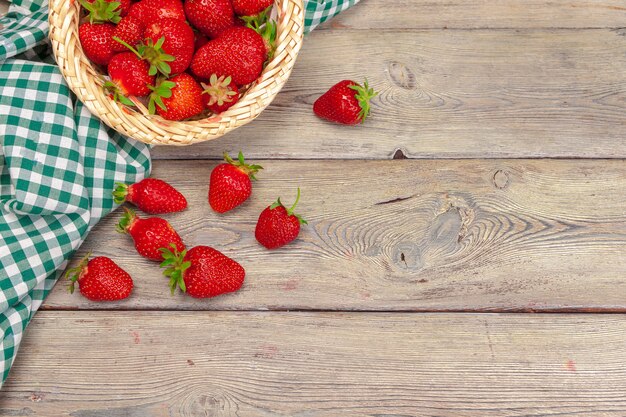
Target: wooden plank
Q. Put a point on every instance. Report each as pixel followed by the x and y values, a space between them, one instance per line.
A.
pixel 496 14
pixel 449 94
pixel 4 7
pixel 403 235
pixel 95 364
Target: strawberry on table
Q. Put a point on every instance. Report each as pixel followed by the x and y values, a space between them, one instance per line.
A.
pixel 151 195
pixel 202 271
pixel 278 225
pixel 178 41
pixel 130 30
pixel 345 102
pixel 250 7
pixel 100 279
pixel 239 52
pixel 178 98
pixel 222 92
pixel 230 184
pixel 149 11
pixel 97 41
pixel 211 17
pixel 150 235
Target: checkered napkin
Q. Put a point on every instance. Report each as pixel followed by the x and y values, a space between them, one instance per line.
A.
pixel 58 165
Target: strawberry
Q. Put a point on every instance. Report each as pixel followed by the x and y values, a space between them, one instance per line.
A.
pixel 100 279
pixel 129 76
pixel 178 42
pixel 277 225
pixel 97 41
pixel 151 195
pixel 99 11
pixel 222 92
pixel 200 40
pixel 202 271
pixel 178 98
pixel 239 52
pixel 250 7
pixel 149 11
pixel 345 102
pixel 230 183
pixel 130 30
pixel 149 234
pixel 210 17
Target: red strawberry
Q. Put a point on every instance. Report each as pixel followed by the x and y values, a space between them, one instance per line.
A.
pixel 222 92
pixel 178 42
pixel 230 183
pixel 239 52
pixel 130 30
pixel 277 225
pixel 149 11
pixel 151 195
pixel 210 17
pixel 178 98
pixel 149 234
pixel 202 272
pixel 250 7
pixel 100 279
pixel 345 102
pixel 97 41
pixel 129 76
pixel 200 40
pixel 105 10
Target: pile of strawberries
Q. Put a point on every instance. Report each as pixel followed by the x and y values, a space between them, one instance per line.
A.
pixel 184 59
pixel 201 271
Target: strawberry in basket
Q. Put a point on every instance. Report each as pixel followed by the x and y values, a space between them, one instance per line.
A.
pixel 148 11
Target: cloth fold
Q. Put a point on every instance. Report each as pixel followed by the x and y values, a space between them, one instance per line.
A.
pixel 58 165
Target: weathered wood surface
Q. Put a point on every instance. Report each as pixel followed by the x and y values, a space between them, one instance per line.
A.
pixel 403 235
pixel 4 7
pixel 447 94
pixel 493 14
pixel 318 364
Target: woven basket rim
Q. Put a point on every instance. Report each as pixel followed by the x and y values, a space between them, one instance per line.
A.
pixel 86 82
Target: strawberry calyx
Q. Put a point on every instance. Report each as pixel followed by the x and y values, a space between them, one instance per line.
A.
pixel 126 221
pixel 75 273
pixel 265 27
pixel 153 53
pixel 363 94
pixel 101 11
pixel 120 192
pixel 117 94
pixel 219 90
pixel 175 267
pixel 240 163
pixel 162 90
pixel 290 210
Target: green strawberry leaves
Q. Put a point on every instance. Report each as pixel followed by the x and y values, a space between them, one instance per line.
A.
pixel 118 96
pixel 265 27
pixel 153 53
pixel 175 267
pixel 101 11
pixel 127 219
pixel 363 94
pixel 120 192
pixel 161 91
pixel 74 273
pixel 290 210
pixel 250 170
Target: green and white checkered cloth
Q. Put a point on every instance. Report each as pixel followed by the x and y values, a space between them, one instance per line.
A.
pixel 58 165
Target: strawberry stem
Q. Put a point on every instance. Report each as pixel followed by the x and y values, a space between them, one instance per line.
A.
pixel 133 50
pixel 76 272
pixel 120 192
pixel 126 221
pixel 364 94
pixel 175 267
pixel 250 170
pixel 290 212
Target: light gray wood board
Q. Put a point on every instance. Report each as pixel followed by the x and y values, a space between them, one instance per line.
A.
pixel 402 235
pixel 4 7
pixel 448 94
pixel 158 364
pixel 497 14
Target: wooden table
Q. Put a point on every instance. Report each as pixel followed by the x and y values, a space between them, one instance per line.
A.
pixel 488 185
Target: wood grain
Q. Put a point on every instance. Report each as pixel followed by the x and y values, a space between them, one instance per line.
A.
pixel 97 364
pixel 448 94
pixel 493 14
pixel 403 235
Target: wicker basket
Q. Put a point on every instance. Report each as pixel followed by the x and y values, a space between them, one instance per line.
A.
pixel 86 81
